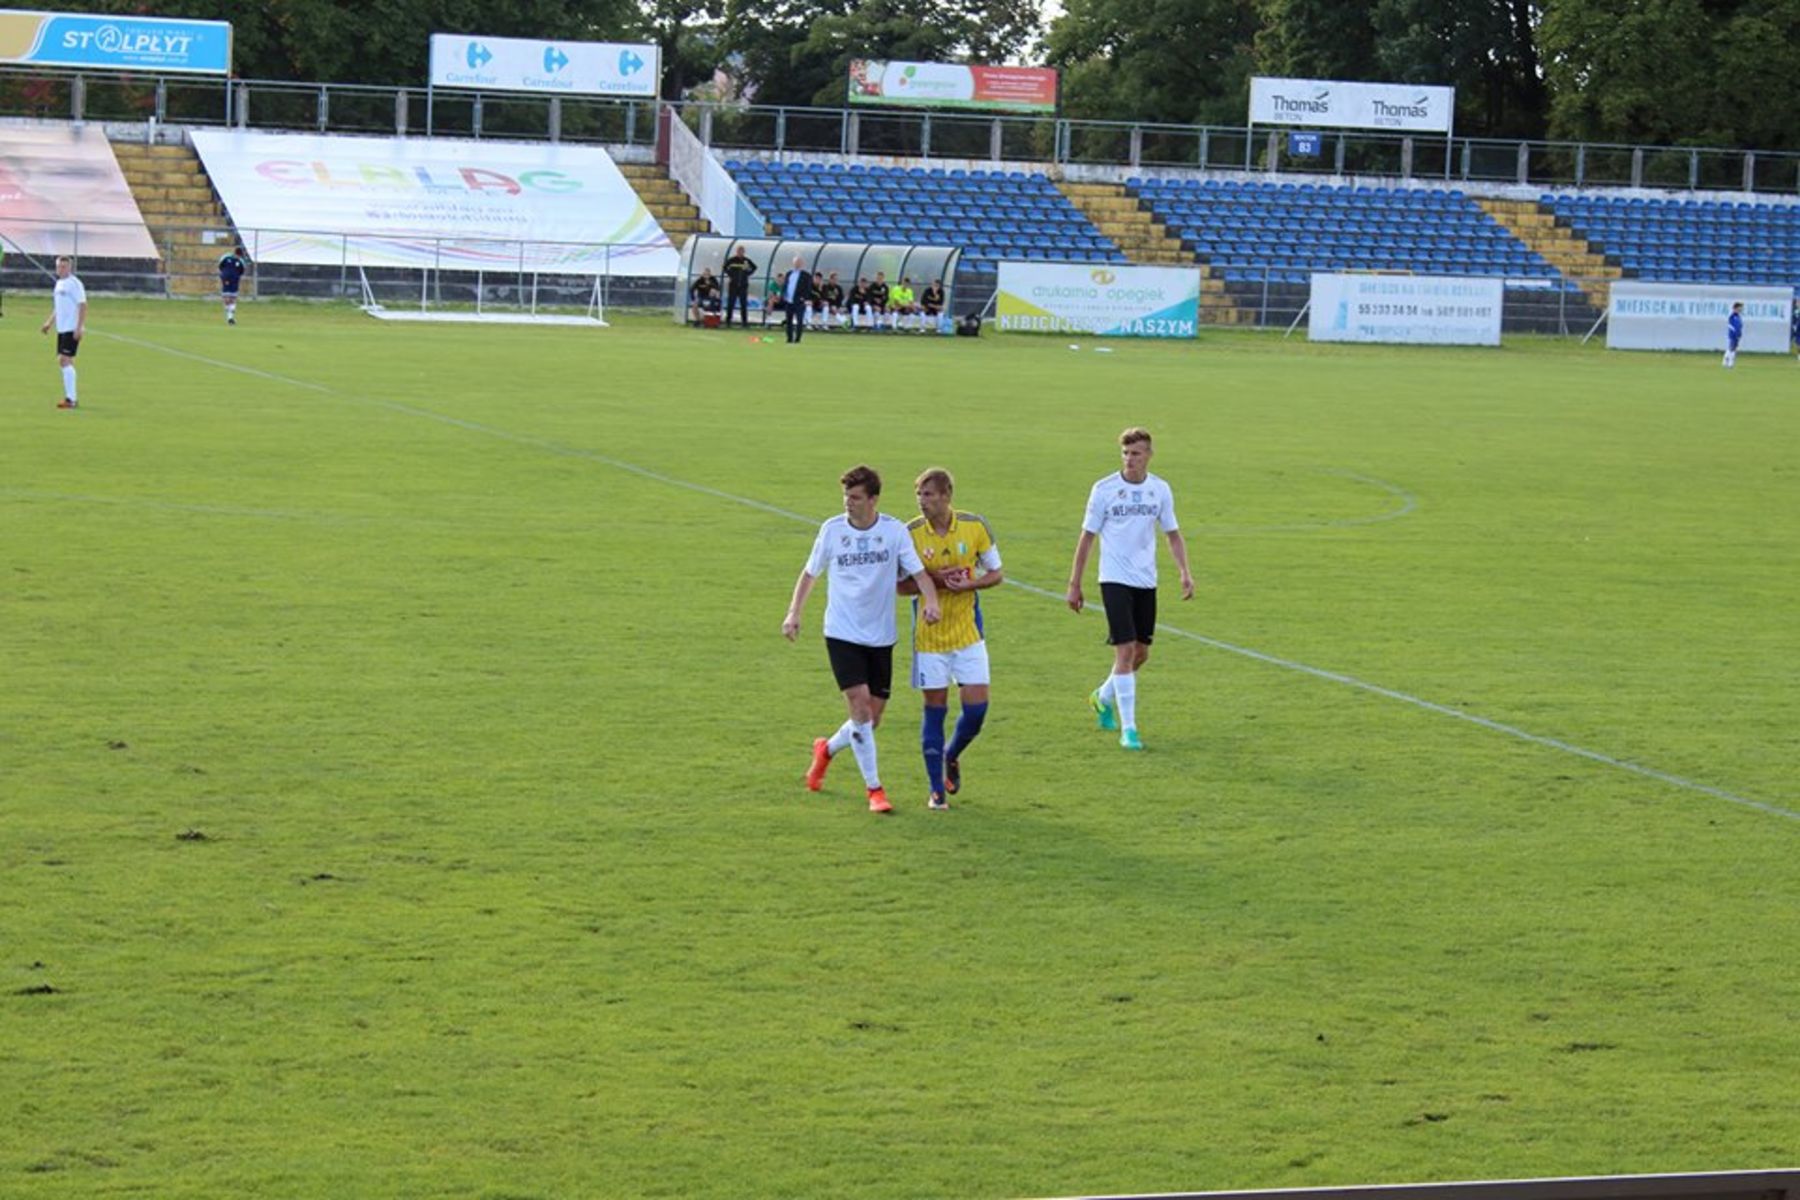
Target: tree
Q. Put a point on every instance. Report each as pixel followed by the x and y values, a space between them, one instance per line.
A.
pixel 1486 49
pixel 1693 72
pixel 1315 39
pixel 1175 61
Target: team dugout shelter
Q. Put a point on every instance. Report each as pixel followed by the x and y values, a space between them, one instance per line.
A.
pixel 851 260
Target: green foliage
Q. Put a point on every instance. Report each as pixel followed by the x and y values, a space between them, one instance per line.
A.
pixel 401 771
pixel 1682 72
pixel 1182 61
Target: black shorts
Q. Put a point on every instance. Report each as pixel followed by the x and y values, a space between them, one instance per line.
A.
pixel 1130 613
pixel 67 344
pixel 228 289
pixel 853 663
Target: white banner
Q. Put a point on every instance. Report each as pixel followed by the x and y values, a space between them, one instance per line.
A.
pixel 62 192
pixel 715 192
pixel 1335 104
pixel 533 65
pixel 1440 310
pixel 1107 301
pixel 412 202
pixel 1691 316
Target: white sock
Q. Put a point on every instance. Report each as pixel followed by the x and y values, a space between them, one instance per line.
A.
pixel 862 744
pixel 841 738
pixel 231 311
pixel 1125 688
pixel 1106 690
pixel 69 382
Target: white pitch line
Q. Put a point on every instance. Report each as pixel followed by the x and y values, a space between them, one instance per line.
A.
pixel 1285 664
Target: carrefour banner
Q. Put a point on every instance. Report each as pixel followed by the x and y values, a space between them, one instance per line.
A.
pixel 61 192
pixel 1105 301
pixel 1691 316
pixel 369 201
pixel 555 67
pixel 1338 105
pixel 1439 310
pixel 952 85
pixel 50 39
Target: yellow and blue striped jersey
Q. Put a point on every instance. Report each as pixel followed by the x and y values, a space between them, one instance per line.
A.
pixel 969 544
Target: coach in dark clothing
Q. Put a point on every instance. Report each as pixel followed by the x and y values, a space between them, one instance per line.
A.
pixel 738 272
pixel 796 295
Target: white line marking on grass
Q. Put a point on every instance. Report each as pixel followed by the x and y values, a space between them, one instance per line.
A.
pixel 1285 664
pixel 1409 504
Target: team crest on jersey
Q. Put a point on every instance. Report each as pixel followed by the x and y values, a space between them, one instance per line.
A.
pixel 1136 496
pixel 929 551
pixel 862 543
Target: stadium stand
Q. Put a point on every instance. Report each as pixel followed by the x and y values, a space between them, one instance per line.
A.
pixel 1265 238
pixel 989 215
pixel 1291 229
pixel 1687 241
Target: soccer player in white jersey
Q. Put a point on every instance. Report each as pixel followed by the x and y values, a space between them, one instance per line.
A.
pixel 864 552
pixel 68 312
pixel 1124 511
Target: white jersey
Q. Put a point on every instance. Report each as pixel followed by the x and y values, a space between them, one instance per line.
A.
pixel 67 300
pixel 864 565
pixel 1126 516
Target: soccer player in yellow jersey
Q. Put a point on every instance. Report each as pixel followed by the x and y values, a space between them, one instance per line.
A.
pixel 959 554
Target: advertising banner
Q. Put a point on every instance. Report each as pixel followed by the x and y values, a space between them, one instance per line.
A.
pixel 552 67
pixel 952 85
pixel 49 39
pixel 61 192
pixel 1105 301
pixel 1337 105
pixel 1691 316
pixel 1435 310
pixel 421 202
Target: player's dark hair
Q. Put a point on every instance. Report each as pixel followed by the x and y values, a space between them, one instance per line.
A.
pixel 864 476
pixel 1137 433
pixel 938 476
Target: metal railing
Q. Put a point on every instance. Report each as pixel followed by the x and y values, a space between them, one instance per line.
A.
pixel 1137 146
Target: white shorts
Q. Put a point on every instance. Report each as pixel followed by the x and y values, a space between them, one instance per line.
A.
pixel 967 666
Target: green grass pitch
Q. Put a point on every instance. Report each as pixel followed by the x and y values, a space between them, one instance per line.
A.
pixel 456 654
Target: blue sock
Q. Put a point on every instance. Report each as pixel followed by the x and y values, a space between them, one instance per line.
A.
pixel 931 738
pixel 967 726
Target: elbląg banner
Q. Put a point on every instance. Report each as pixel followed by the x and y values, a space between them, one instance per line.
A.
pixel 1436 310
pixel 545 65
pixel 1691 316
pixel 1103 300
pixel 423 202
pixel 101 41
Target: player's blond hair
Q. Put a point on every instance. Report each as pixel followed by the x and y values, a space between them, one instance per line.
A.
pixel 938 476
pixel 1137 433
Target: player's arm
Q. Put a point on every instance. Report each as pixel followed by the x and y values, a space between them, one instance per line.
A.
pixel 914 567
pixel 80 319
pixel 921 580
pixel 1084 546
pixel 803 586
pixel 987 573
pixel 1178 551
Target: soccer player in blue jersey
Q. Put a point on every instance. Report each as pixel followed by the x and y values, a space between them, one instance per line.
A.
pixel 1734 333
pixel 231 271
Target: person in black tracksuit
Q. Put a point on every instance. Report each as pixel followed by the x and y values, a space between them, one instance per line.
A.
pixel 738 272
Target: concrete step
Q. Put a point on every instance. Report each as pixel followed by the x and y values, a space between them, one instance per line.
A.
pixel 163 177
